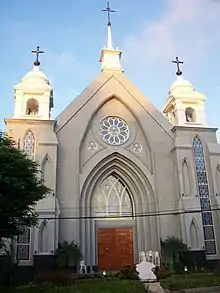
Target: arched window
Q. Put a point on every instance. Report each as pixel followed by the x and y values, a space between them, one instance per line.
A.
pixel 217 178
pixel 47 173
pixel 44 238
pixel 190 115
pixel 112 199
pixel 205 202
pixel 186 178
pixel 194 235
pixel 29 144
pixel 32 107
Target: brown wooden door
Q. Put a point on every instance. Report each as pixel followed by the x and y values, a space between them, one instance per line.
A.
pixel 115 248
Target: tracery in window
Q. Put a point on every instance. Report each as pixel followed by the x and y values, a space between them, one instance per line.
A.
pixel 205 203
pixel 114 130
pixel 112 198
pixel 29 144
pixel 23 245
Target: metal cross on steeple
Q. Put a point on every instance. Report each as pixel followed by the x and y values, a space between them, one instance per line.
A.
pixel 37 52
pixel 179 72
pixel 109 10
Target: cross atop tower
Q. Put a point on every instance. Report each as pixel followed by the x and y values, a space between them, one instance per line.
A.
pixel 179 72
pixel 37 52
pixel 109 10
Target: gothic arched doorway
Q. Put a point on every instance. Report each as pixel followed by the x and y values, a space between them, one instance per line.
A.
pixel 114 197
pixel 112 200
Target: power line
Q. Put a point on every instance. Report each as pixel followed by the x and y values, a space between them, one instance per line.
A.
pixel 141 215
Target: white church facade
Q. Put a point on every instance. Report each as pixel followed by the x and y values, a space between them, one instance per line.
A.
pixel 123 175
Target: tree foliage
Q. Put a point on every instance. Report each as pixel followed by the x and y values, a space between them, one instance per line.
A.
pixel 20 189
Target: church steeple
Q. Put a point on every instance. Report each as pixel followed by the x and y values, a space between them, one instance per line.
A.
pixel 33 94
pixel 184 106
pixel 110 57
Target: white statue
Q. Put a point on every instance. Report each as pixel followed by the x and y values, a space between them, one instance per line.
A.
pixel 145 272
pixel 82 268
pixel 156 259
pixel 150 256
pixel 142 256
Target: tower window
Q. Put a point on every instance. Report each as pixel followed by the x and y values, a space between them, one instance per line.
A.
pixel 190 115
pixel 32 107
pixel 204 196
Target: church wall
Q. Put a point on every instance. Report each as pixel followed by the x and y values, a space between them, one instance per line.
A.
pixel 214 161
pixel 45 145
pixel 183 149
pixel 73 135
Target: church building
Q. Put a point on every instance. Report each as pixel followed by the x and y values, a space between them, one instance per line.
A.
pixel 123 175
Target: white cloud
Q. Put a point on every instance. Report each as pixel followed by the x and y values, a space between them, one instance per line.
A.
pixel 187 28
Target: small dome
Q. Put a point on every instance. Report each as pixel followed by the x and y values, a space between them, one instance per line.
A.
pixel 35 79
pixel 181 85
pixel 35 75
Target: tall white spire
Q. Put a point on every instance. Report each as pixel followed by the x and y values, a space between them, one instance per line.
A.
pixel 109 40
pixel 110 57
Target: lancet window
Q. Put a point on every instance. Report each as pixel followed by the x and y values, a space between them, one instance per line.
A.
pixel 205 202
pixel 29 144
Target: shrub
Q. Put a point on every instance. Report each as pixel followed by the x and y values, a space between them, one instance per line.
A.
pixel 68 255
pixel 128 273
pixel 163 272
pixel 60 278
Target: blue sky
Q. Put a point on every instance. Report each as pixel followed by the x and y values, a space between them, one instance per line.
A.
pixel 150 33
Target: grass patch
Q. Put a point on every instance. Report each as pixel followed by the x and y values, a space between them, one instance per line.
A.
pixel 90 286
pixel 177 282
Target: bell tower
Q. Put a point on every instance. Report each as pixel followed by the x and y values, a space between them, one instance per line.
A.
pixel 184 106
pixel 33 94
pixel 34 131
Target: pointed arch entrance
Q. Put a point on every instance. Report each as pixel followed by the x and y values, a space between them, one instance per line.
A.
pixel 114 198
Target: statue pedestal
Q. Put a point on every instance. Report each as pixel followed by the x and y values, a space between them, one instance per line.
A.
pixel 154 287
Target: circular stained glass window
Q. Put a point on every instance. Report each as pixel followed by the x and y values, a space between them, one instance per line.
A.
pixel 114 130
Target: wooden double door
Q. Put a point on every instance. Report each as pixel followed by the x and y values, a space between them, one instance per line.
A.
pixel 115 248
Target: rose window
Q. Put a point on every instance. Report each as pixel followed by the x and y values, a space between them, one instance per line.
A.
pixel 114 130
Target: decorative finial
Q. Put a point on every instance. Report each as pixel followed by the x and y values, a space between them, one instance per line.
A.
pixel 37 52
pixel 108 10
pixel 179 72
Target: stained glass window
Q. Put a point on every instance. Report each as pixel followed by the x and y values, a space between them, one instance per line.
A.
pixel 23 245
pixel 112 198
pixel 29 144
pixel 207 218
pixel 114 130
pixel 205 201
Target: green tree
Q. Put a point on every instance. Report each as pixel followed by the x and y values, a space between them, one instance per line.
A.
pixel 20 189
pixel 68 254
pixel 171 247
